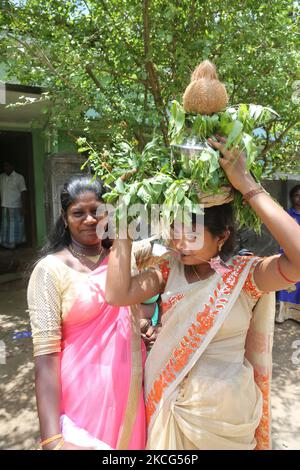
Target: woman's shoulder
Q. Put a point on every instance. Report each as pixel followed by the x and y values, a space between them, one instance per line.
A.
pixel 50 264
pixel 166 265
pixel 243 259
pixel 249 288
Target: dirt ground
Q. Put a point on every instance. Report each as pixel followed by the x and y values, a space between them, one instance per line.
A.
pixel 18 416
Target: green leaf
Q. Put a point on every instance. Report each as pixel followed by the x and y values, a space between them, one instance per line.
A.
pixel 250 148
pixel 177 119
pixel 180 195
pixel 199 127
pixel 83 149
pixel 235 134
pixel 204 156
pixel 120 186
pixel 214 161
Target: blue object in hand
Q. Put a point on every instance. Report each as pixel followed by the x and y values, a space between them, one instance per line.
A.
pixel 152 300
pixel 154 318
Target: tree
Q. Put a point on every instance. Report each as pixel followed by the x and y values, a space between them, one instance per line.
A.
pixel 114 66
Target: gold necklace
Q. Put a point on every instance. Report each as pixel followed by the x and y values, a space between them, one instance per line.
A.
pixel 82 254
pixel 199 278
pixel 85 259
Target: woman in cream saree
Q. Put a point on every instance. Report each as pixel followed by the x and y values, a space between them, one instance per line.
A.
pixel 200 389
pixel 207 378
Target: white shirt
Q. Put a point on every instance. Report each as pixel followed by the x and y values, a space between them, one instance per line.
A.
pixel 11 187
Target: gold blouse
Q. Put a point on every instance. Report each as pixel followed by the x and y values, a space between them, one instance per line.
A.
pixel 51 293
pixel 52 290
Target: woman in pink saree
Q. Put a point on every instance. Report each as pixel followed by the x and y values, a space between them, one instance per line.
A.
pixel 88 354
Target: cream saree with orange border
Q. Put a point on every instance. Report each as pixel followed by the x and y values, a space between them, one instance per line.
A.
pixel 207 377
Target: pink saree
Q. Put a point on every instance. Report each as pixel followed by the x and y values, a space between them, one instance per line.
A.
pixel 102 368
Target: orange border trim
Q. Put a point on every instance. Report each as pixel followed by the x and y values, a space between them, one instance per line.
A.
pixel 190 342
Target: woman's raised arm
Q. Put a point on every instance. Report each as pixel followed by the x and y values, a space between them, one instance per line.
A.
pixel 121 287
pixel 274 272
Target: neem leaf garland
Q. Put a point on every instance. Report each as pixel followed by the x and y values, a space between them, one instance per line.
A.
pixel 189 172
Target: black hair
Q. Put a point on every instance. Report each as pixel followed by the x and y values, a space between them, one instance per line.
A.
pixel 218 219
pixel 60 236
pixel 9 162
pixel 293 191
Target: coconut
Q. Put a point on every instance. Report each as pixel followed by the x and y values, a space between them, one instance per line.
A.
pixel 205 94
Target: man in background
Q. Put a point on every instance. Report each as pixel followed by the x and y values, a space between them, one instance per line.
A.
pixel 13 202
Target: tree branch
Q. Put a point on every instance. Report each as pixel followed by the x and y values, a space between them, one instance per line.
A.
pixel 151 73
pixel 39 53
pixel 89 71
pixel 272 144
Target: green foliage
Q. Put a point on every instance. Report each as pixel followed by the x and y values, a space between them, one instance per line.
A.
pixel 112 67
pixel 235 123
pixel 151 177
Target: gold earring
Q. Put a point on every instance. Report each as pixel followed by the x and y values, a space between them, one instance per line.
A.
pixel 220 247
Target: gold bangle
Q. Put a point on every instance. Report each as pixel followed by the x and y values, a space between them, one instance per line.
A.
pixel 59 445
pixel 51 439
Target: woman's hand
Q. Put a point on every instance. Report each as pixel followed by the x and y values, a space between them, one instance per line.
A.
pixel 234 165
pixel 148 333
